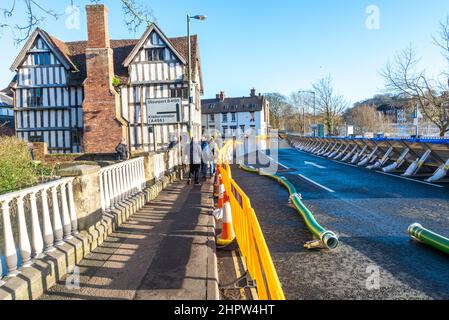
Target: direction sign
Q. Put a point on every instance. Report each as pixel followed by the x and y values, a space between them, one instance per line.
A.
pixel 164 111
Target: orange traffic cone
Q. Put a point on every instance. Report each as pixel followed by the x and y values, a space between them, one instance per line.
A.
pixel 227 231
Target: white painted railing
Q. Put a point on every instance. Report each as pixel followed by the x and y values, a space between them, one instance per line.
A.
pixel 120 182
pixel 50 205
pixel 159 168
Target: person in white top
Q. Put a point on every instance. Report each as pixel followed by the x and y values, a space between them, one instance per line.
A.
pixel 192 157
pixel 215 153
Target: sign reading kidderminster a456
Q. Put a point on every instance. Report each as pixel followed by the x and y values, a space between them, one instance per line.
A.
pixel 164 111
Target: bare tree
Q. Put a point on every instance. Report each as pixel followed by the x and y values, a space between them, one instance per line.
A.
pixel 430 95
pixel 442 40
pixel 36 12
pixel 300 113
pixel 329 104
pixel 278 106
pixel 366 118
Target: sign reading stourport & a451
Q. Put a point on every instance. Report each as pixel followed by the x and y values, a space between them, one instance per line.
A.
pixel 164 111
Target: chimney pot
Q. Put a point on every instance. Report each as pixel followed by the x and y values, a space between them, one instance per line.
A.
pixel 253 92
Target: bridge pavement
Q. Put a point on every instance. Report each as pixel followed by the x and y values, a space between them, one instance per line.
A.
pixel 370 212
pixel 166 251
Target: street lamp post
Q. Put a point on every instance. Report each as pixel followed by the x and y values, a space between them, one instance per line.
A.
pixel 189 67
pixel 314 108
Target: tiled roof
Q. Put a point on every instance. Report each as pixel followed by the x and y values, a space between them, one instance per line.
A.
pixel 75 52
pixel 242 104
pixel 5 100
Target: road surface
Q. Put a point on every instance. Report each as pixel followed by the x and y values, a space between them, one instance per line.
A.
pixel 370 212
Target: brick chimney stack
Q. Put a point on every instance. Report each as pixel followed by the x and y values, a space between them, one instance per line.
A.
pixel 97 26
pixel 101 105
pixel 222 95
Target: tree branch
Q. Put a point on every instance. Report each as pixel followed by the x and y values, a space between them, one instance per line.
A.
pixel 135 12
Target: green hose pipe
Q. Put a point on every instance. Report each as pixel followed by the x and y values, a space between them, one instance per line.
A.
pixel 417 232
pixel 327 238
pixel 282 181
pixel 288 185
pixel 248 168
pixel 268 175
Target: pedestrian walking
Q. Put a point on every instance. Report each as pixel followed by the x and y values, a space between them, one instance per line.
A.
pixel 215 152
pixel 192 156
pixel 205 158
pixel 122 150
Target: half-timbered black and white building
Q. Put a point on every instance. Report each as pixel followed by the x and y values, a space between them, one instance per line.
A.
pixel 51 74
pixel 6 113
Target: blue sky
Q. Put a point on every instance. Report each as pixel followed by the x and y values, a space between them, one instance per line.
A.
pixel 280 45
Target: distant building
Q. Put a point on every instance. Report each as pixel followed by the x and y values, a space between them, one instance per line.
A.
pixel 235 116
pixel 6 113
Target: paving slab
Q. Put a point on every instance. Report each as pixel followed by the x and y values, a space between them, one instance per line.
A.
pixel 164 251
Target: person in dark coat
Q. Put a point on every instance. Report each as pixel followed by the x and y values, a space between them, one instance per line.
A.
pixel 122 151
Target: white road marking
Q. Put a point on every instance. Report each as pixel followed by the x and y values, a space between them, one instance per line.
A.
pixel 409 179
pixel 316 183
pixel 314 165
pixel 381 172
pixel 285 167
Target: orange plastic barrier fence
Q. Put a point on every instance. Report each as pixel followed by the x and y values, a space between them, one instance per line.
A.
pixel 251 241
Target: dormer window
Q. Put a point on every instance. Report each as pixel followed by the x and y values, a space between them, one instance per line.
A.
pixel 156 54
